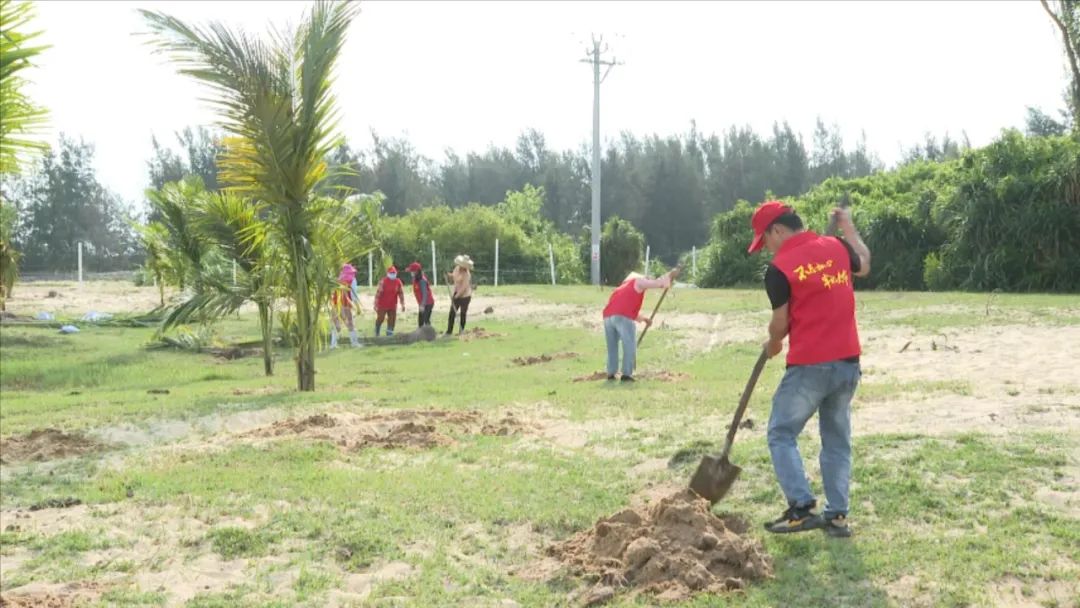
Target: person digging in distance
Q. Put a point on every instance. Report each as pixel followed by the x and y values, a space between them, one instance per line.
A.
pixel 389 292
pixel 461 279
pixel 809 284
pixel 623 308
pixel 341 305
pixel 425 299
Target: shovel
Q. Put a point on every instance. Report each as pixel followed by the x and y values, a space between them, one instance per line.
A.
pixel 845 202
pixel 716 474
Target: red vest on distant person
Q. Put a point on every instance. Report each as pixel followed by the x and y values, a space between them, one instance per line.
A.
pixel 388 293
pixel 416 291
pixel 821 310
pixel 625 301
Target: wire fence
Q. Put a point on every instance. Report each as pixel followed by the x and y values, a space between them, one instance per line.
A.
pixel 86 267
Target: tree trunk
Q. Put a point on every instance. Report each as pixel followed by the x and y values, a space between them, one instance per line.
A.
pixel 306 316
pixel 266 323
pixel 1072 53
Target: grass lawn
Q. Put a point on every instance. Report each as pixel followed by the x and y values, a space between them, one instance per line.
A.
pixel 192 502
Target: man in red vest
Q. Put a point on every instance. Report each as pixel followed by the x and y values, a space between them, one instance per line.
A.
pixel 809 283
pixel 623 308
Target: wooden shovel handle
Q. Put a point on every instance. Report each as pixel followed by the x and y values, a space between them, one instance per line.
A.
pixel 743 401
pixel 845 202
pixel 678 269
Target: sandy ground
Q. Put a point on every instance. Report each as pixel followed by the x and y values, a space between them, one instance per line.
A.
pixel 70 299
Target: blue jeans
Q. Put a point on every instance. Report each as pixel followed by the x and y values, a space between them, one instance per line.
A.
pixel 620 329
pixel 827 389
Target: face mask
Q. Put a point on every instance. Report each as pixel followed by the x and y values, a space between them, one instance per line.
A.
pixel 391 275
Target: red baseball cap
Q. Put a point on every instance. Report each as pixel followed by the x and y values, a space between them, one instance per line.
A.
pixel 392 270
pixel 764 215
pixel 413 267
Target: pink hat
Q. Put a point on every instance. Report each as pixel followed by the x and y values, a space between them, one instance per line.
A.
pixel 348 273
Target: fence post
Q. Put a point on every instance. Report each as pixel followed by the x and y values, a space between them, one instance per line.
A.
pixel 369 269
pixel 551 260
pixel 80 262
pixel 496 262
pixel 647 261
pixel 234 273
pixel 434 272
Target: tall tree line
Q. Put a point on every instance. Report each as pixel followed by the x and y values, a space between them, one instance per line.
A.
pixel 669 186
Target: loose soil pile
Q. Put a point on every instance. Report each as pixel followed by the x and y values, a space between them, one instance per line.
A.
pixel 418 429
pixel 543 358
pixel 662 376
pixel 46 444
pixel 41 595
pixel 673 548
pixel 477 333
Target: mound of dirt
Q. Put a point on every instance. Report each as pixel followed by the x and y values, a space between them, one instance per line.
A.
pixel 662 376
pixel 232 353
pixel 44 595
pixel 46 444
pixel 545 358
pixel 56 503
pixel 426 333
pixel 477 333
pixel 398 429
pixel 673 548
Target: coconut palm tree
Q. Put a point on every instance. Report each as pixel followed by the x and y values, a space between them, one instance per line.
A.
pixel 275 102
pixel 19 116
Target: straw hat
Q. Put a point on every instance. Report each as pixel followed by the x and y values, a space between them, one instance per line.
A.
pixel 464 261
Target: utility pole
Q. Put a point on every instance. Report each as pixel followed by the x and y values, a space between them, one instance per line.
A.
pixel 593 57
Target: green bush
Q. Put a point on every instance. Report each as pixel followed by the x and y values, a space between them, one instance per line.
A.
pixel 1004 217
pixel 1014 221
pixel 621 250
pixel 724 262
pixel 518 225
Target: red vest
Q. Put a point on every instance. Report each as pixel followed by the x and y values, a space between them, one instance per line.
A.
pixel 388 293
pixel 821 310
pixel 625 301
pixel 416 291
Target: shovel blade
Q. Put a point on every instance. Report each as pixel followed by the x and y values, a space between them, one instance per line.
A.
pixel 714 478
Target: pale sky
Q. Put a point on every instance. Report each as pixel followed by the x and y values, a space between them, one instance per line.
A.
pixel 464 75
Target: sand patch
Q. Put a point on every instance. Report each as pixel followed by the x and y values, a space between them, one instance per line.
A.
pixel 46 444
pixel 182 579
pixel 544 358
pixel 357 587
pixel 73 300
pixel 1016 593
pixel 702 332
pixel 672 549
pixel 996 360
pixel 948 414
pixel 417 429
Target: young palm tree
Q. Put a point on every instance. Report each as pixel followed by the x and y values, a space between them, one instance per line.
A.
pixel 177 204
pixel 235 227
pixel 275 102
pixel 19 116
